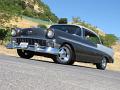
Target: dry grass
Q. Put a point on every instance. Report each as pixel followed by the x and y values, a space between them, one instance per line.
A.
pixel 115 66
pixel 21 22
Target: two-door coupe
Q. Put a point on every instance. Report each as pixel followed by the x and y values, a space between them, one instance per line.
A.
pixel 64 43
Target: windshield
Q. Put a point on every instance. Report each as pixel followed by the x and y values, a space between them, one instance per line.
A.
pixel 66 28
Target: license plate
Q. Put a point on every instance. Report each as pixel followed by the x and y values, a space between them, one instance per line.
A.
pixel 23 45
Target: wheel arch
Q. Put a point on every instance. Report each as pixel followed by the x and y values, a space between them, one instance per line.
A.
pixel 108 59
pixel 71 48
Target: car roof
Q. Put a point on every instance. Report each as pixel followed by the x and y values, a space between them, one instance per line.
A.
pixel 78 26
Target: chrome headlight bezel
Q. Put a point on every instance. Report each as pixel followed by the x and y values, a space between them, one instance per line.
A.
pixel 13 32
pixel 50 34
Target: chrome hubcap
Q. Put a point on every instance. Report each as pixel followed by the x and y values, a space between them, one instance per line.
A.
pixel 104 62
pixel 64 54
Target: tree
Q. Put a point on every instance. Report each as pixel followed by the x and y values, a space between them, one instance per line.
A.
pixel 109 39
pixel 63 21
pixel 3 34
pixel 76 20
pixel 42 26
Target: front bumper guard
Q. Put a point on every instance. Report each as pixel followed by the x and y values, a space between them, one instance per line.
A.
pixel 35 48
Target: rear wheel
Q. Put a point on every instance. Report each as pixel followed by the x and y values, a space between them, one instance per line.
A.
pixel 102 65
pixel 65 55
pixel 25 53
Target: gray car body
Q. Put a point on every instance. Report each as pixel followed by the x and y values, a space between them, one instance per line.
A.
pixel 84 50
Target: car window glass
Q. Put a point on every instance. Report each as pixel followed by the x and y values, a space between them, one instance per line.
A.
pixel 78 32
pixel 59 27
pixel 72 29
pixel 91 37
pixel 66 28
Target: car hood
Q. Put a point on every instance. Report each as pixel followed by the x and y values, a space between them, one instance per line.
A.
pixel 33 32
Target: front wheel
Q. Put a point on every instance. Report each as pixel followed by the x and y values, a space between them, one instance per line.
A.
pixel 102 65
pixel 65 55
pixel 25 53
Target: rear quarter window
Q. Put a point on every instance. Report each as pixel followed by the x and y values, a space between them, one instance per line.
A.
pixel 90 36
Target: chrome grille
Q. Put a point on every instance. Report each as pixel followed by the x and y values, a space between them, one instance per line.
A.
pixel 31 41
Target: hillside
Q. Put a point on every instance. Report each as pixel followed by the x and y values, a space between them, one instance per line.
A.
pixel 116 65
pixel 31 8
pixel 26 22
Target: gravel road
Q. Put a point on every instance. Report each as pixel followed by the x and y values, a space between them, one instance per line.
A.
pixel 24 74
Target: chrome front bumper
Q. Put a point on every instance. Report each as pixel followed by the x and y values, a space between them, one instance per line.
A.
pixel 35 48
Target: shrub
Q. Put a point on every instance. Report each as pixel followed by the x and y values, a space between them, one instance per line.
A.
pixel 5 35
pixel 42 26
pixel 63 21
pixel 109 39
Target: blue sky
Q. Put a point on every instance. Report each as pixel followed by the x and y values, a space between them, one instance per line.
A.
pixel 104 14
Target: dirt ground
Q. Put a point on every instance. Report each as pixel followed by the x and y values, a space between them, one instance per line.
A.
pixel 114 67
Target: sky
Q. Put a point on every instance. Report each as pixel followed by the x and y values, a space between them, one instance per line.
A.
pixel 105 14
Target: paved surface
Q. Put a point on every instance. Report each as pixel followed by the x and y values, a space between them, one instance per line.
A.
pixel 23 74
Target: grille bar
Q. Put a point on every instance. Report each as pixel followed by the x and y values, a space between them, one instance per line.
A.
pixel 31 41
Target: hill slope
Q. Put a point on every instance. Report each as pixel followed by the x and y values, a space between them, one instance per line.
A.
pixel 116 65
pixel 31 8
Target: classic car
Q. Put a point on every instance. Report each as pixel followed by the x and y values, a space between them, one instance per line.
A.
pixel 64 43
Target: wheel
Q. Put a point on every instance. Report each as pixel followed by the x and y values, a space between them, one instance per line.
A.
pixel 65 55
pixel 102 65
pixel 25 54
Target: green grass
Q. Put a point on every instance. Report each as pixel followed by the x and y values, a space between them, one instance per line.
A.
pixel 40 21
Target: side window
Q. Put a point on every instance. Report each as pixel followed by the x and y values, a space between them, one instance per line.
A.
pixel 78 32
pixel 90 36
pixel 72 29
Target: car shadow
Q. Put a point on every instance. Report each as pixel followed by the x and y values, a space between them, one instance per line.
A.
pixel 84 66
pixel 50 61
pixel 46 61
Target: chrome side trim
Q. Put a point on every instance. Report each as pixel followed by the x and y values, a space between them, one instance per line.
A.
pixel 76 42
pixel 97 48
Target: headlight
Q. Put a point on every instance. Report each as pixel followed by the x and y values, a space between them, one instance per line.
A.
pixel 50 33
pixel 13 33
